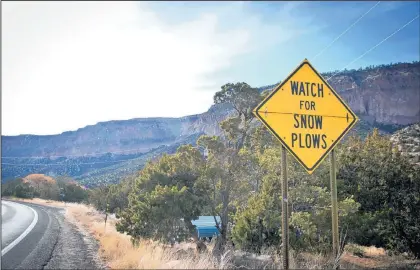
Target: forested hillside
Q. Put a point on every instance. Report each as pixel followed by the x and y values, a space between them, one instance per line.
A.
pixel 384 97
pixel 238 180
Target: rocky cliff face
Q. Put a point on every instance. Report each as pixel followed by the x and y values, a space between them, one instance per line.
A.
pixel 128 137
pixel 386 97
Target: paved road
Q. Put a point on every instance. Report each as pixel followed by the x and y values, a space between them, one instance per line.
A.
pixel 39 237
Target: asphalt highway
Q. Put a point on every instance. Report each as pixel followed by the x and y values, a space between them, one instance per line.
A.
pixel 39 237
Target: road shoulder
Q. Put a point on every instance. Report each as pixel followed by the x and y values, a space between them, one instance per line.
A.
pixel 54 243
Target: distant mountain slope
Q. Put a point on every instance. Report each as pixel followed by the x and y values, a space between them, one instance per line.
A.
pixel 91 171
pixel 127 136
pixel 386 97
pixel 116 172
pixel 74 166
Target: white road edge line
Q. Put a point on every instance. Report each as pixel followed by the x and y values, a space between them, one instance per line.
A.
pixel 25 233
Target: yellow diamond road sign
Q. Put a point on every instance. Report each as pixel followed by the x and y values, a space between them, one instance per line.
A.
pixel 306 115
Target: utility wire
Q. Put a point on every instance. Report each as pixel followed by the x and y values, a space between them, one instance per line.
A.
pixel 361 56
pixel 374 47
pixel 66 164
pixel 84 155
pixel 345 31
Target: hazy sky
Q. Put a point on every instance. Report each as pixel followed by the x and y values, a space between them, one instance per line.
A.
pixel 66 65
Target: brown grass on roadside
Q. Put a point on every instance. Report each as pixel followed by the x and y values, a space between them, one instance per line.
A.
pixel 373 251
pixel 41 202
pixel 116 248
pixel 362 251
pixel 117 251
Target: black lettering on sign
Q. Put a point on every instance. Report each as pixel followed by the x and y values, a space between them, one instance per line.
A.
pixel 307 105
pixel 316 140
pixel 294 139
pixel 307 121
pixel 309 140
pixel 324 146
pixel 307 89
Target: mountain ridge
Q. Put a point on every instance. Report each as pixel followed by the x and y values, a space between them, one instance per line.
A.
pixel 385 97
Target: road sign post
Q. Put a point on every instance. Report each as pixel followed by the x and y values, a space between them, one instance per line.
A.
pixel 309 118
pixel 284 210
pixel 334 207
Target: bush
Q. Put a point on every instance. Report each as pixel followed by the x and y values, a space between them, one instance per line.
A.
pixel 17 188
pixel 387 186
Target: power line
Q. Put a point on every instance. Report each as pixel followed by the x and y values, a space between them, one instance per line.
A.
pixel 64 164
pixel 345 31
pixel 85 155
pixel 371 49
pixel 68 164
pixel 74 164
pixel 99 162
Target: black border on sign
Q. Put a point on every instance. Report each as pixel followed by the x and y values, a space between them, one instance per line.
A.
pixel 355 119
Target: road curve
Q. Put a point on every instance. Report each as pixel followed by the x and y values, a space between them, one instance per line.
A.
pixel 15 227
pixel 39 237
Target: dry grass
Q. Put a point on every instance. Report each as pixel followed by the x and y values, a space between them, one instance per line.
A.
pixel 361 251
pixel 373 257
pixel 41 202
pixel 116 248
pixel 373 251
pixel 118 253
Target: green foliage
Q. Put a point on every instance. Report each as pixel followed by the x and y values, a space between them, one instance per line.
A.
pixel 239 180
pixel 257 225
pixel 242 97
pixel 165 193
pixel 73 193
pixel 158 214
pixel 387 186
pixel 63 188
pixel 112 198
pixel 17 188
pixel 98 197
pixel 226 169
pixel 70 191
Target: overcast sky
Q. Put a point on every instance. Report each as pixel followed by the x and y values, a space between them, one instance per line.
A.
pixel 66 65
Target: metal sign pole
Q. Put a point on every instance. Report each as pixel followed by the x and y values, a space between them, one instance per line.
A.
pixel 301 102
pixel 334 208
pixel 284 209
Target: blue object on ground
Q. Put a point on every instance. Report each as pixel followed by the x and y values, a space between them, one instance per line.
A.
pixel 206 226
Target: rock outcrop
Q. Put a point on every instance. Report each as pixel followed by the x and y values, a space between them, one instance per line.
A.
pixel 408 142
